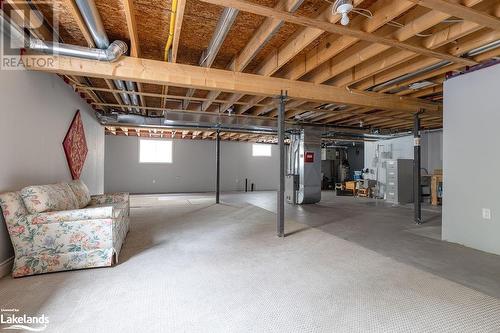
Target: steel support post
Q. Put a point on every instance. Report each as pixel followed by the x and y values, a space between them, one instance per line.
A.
pixel 417 189
pixel 280 222
pixel 217 161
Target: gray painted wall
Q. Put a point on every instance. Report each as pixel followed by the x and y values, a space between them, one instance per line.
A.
pixel 36 112
pixel 472 159
pixel 192 170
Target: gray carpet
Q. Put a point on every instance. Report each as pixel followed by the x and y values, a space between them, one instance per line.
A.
pixel 433 232
pixel 191 266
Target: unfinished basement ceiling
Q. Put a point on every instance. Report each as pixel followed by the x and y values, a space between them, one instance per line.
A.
pixel 316 56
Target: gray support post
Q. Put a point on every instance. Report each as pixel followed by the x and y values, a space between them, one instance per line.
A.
pixel 280 222
pixel 417 195
pixel 217 161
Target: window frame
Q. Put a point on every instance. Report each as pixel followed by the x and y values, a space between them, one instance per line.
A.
pixel 157 140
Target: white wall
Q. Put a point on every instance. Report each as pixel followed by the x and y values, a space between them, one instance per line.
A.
pixel 192 170
pixel 36 111
pixel 402 148
pixel 472 159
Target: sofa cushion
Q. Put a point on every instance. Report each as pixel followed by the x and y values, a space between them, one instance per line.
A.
pixel 47 198
pixel 81 192
pixel 120 210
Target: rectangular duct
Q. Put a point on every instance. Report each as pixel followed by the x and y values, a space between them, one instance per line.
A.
pixel 304 162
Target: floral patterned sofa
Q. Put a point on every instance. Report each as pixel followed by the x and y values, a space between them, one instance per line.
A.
pixel 61 227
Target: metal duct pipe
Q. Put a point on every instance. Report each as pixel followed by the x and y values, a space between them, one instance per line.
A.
pixel 410 75
pixel 131 86
pixel 224 24
pixel 120 85
pixel 471 53
pixel 92 19
pixel 111 53
pixel 484 48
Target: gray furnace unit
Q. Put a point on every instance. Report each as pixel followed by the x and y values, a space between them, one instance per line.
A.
pixel 399 181
pixel 303 181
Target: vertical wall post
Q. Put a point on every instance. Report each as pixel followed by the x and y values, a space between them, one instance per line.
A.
pixel 417 189
pixel 217 162
pixel 280 216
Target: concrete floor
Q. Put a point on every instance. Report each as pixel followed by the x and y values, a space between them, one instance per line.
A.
pixel 389 230
pixel 347 265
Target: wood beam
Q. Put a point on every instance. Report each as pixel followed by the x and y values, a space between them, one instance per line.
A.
pixel 32 22
pixel 292 47
pixel 422 77
pixel 250 7
pixel 325 60
pixel 413 64
pixel 42 30
pixel 428 91
pixel 359 53
pixel 383 12
pixel 75 13
pixel 135 50
pixel 162 73
pixel 366 70
pixel 179 17
pixel 346 61
pixel 179 98
pixel 263 34
pixel 466 13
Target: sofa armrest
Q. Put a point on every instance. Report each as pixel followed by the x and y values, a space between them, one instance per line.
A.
pixel 71 236
pixel 91 213
pixel 109 198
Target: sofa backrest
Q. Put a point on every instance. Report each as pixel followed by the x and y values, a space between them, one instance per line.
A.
pixel 12 207
pixel 81 192
pixel 14 213
pixel 45 198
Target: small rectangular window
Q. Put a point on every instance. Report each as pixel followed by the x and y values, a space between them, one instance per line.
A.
pixel 155 151
pixel 259 149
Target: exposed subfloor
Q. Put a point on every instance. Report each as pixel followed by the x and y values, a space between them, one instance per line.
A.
pixel 347 265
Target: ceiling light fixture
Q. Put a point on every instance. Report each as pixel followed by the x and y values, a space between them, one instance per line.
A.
pixel 343 7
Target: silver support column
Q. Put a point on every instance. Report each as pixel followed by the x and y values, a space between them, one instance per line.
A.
pixel 280 216
pixel 217 161
pixel 417 196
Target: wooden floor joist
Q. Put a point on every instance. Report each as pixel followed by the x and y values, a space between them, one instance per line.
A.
pixel 353 75
pixel 335 28
pixel 162 73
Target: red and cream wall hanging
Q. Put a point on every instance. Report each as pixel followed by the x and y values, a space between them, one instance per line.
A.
pixel 75 146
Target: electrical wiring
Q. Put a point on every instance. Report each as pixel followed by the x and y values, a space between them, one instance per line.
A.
pixel 362 11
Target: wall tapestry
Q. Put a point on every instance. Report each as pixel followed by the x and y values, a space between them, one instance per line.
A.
pixel 75 146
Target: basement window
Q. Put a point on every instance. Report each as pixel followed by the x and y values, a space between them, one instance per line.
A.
pixel 155 151
pixel 259 149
